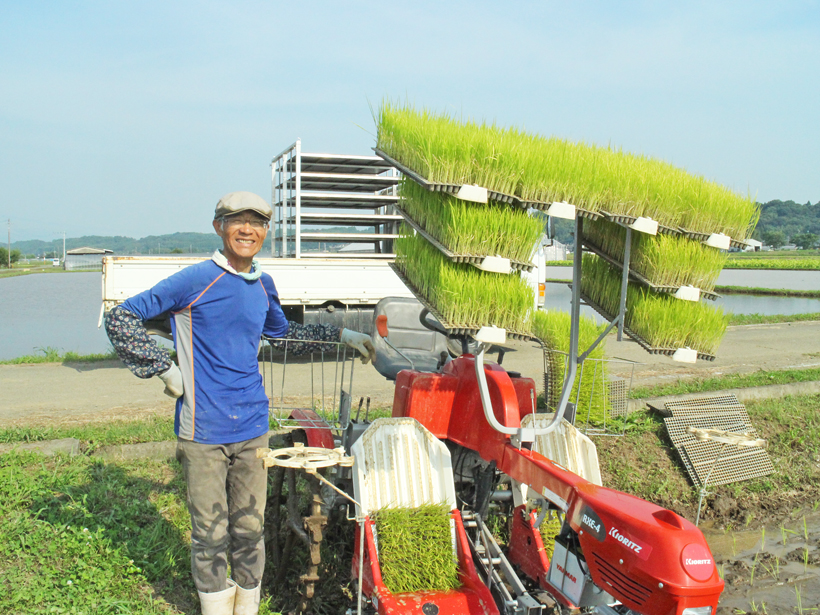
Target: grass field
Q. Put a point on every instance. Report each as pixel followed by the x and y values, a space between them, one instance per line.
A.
pixel 82 535
pixel 53 355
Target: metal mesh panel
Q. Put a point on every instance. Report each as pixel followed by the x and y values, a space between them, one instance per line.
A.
pixel 712 402
pixel 618 395
pixel 735 463
pixel 727 421
pixel 612 391
pixel 713 462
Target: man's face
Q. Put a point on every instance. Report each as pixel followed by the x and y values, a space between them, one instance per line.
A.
pixel 243 234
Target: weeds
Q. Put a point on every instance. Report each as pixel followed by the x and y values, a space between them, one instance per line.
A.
pixel 49 354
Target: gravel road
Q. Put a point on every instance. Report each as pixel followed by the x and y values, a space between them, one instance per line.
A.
pixel 58 393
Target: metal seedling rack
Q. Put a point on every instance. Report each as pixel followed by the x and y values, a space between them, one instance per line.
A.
pixel 613 390
pixel 470 329
pixel 323 191
pixel 479 194
pixel 330 377
pixel 637 277
pixel 476 260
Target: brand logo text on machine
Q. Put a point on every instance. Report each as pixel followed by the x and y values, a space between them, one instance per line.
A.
pixel 630 544
pixel 566 574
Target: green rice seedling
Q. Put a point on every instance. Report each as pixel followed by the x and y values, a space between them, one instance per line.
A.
pixel 444 149
pixel 549 529
pixel 464 296
pixel 662 321
pixel 416 548
pixel 472 229
pixel 553 328
pixel 664 260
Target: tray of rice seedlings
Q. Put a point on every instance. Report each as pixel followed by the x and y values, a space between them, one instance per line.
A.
pixel 469 232
pixel 461 297
pixel 415 547
pixel 552 328
pixel 664 263
pixel 658 322
pixel 445 154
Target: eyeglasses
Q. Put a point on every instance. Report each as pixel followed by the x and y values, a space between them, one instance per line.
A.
pixel 256 223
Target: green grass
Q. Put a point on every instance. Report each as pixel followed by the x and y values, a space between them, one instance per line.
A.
pixel 415 548
pixel 471 228
pixel 757 262
pixel 53 355
pixel 18 270
pixel 774 292
pixel 553 329
pixel 764 319
pixel 664 260
pixel 446 149
pixel 661 320
pixel 465 296
pixel 95 435
pixel 727 381
pixel 83 536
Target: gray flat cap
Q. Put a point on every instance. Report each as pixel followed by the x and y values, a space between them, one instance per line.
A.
pixel 235 202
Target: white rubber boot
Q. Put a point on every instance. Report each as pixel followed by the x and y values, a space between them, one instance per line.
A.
pixel 247 601
pixel 218 603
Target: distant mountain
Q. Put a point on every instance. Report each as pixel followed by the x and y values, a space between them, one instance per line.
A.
pixel 184 243
pixel 789 217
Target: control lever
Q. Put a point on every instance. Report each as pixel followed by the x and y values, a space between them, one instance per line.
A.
pixel 381 328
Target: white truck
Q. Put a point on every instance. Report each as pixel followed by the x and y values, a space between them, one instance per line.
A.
pixel 331 242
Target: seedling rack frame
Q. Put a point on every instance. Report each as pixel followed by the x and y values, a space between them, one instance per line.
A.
pixel 454 328
pixel 637 277
pixel 643 343
pixel 472 259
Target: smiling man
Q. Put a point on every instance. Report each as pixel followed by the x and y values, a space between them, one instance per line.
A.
pixel 219 310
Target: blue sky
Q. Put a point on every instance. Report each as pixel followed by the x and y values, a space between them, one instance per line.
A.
pixel 134 118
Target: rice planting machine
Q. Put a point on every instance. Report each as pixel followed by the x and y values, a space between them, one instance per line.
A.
pixel 464 431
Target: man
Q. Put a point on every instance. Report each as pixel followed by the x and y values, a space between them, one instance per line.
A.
pixel 220 308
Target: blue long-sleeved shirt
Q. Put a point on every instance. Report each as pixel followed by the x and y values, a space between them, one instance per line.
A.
pixel 217 320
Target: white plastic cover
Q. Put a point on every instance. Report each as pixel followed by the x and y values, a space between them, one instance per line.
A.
pixel 561 209
pixel 399 463
pixel 719 240
pixel 645 225
pixel 688 293
pixel 566 446
pixel 477 194
pixel 491 335
pixel 495 264
pixel 685 355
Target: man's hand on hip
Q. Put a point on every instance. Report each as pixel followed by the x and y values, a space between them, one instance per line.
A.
pixel 173 381
pixel 360 342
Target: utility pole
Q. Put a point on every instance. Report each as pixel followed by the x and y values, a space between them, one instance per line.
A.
pixel 63 248
pixel 9 253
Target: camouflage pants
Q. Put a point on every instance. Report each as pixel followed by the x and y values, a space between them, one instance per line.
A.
pixel 227 489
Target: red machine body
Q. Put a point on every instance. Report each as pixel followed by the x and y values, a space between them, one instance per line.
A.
pixel 650 559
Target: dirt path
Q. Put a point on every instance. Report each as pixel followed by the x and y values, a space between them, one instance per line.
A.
pixel 48 393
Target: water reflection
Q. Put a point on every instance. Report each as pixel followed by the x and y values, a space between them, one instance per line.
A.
pixel 61 310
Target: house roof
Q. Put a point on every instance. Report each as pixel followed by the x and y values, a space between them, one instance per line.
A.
pixel 87 250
